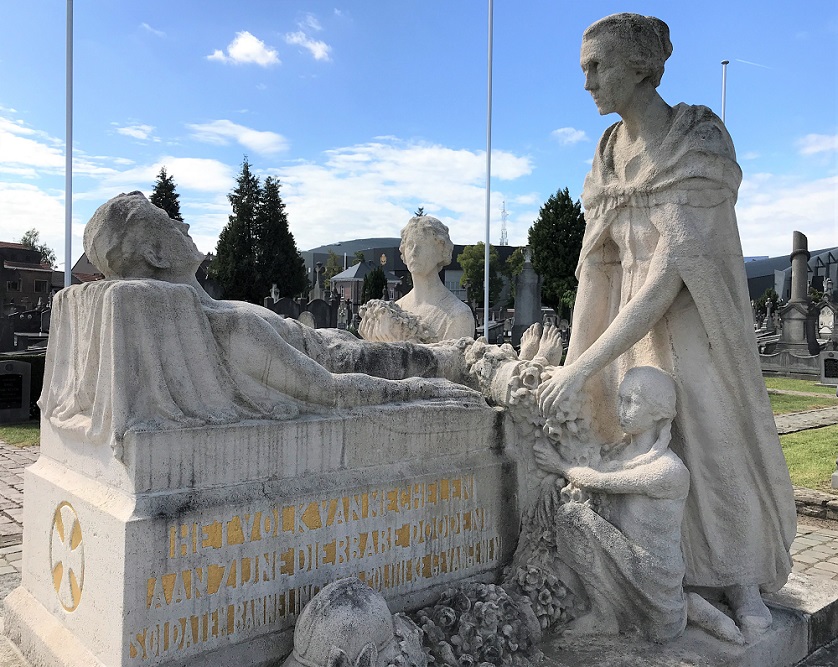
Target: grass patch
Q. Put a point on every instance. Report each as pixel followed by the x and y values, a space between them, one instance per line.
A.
pixel 21 435
pixel 783 404
pixel 811 456
pixel 790 384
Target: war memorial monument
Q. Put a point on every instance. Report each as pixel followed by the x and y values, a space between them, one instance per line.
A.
pixel 219 485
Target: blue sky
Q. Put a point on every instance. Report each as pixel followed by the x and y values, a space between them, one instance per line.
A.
pixel 367 110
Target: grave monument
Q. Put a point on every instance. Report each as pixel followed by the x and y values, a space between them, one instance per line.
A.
pixel 208 467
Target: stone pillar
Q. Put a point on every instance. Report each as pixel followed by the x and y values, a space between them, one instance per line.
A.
pixel 527 299
pixel 798 315
pixel 799 269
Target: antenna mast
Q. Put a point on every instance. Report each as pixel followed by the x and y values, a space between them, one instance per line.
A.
pixel 504 239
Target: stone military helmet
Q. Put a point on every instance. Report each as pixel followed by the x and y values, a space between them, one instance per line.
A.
pixel 347 624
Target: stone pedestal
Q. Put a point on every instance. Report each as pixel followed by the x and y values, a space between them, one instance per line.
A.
pixel 203 546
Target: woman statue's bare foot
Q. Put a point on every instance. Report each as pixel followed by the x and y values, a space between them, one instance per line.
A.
pixel 704 615
pixel 550 348
pixel 749 611
pixel 530 341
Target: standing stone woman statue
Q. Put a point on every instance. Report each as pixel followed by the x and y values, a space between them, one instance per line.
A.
pixel 662 283
pixel 430 312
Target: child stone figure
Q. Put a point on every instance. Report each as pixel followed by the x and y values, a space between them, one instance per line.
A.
pixel 631 566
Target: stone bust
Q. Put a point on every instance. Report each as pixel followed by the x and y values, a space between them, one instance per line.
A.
pixel 429 312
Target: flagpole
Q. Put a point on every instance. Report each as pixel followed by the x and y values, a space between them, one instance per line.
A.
pixel 68 155
pixel 488 181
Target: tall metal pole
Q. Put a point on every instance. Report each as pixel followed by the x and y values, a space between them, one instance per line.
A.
pixel 488 180
pixel 724 86
pixel 68 156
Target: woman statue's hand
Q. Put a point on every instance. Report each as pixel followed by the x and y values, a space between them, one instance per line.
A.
pixel 561 393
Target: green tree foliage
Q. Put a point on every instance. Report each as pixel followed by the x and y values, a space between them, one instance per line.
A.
pixel 358 258
pixel 767 295
pixel 420 211
pixel 32 239
pixel 472 261
pixel 277 258
pixel 556 241
pixel 374 283
pixel 165 196
pixel 256 249
pixel 334 265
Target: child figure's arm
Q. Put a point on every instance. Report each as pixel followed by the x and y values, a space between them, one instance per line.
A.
pixel 664 478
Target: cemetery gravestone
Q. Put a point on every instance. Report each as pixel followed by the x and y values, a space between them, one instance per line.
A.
pixel 15 378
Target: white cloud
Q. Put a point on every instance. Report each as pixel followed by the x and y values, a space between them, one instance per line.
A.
pixel 751 155
pixel 371 190
pixel 817 143
pixel 156 33
pixel 245 49
pixel 771 207
pixel 24 206
pixel 221 132
pixel 569 135
pixel 310 21
pixel 318 49
pixel 137 131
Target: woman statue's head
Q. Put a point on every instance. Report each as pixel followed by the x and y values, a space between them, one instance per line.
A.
pixel 642 42
pixel 425 246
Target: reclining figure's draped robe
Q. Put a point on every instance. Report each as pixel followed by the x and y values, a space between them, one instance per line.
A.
pixel 740 515
pixel 135 355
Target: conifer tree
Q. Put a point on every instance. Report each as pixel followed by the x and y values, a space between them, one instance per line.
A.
pixel 556 241
pixel 277 258
pixel 165 196
pixel 234 266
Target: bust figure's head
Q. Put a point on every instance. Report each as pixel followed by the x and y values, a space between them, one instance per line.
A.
pixel 647 397
pixel 129 237
pixel 619 52
pixel 426 247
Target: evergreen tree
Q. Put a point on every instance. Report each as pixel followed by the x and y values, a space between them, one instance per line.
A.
pixel 165 196
pixel 277 258
pixel 374 283
pixel 358 258
pixel 234 266
pixel 32 239
pixel 556 241
pixel 473 262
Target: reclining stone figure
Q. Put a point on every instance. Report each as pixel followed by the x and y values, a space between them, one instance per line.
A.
pixel 148 348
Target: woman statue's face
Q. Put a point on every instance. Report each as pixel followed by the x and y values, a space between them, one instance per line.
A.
pixel 608 77
pixel 421 251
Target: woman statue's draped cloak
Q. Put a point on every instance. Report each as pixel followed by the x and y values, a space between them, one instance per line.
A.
pixel 679 200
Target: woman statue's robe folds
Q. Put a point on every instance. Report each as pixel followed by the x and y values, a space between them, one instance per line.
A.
pixel 678 199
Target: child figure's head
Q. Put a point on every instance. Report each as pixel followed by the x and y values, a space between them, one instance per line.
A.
pixel 647 396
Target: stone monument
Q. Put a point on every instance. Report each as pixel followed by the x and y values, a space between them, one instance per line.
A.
pixel 207 467
pixel 798 315
pixel 429 312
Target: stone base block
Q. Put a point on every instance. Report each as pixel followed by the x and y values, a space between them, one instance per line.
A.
pixel 202 546
pixel 805 615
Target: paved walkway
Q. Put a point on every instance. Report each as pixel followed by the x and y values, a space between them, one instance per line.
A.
pixel 802 421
